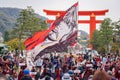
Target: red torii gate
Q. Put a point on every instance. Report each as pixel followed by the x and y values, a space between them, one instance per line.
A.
pixel 92 15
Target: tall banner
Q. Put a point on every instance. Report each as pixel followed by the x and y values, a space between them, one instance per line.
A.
pixel 61 34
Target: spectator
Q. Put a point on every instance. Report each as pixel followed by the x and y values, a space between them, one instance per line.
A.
pixel 26 75
pixel 2 77
pixel 66 76
pixel 101 75
pixel 111 74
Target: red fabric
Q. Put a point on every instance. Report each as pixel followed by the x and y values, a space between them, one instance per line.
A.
pixel 73 44
pixel 37 38
pixel 57 71
pixel 75 4
pixel 20 75
pixel 66 59
pixel 33 38
pixel 80 59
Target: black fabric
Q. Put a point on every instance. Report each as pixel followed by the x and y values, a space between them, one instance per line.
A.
pixel 5 58
pixel 26 78
pixel 37 76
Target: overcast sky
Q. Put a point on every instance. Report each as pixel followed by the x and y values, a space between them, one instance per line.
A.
pixel 84 5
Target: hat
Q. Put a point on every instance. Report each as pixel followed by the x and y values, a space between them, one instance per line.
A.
pixel 70 72
pixel 66 76
pixel 91 76
pixel 77 71
pixel 26 71
pixel 109 72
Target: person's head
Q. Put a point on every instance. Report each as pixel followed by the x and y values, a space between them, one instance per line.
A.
pixel 65 55
pixel 51 55
pixel 26 72
pixel 14 70
pixel 101 75
pixel 47 78
pixel 70 72
pixel 109 72
pixel 66 76
pixel 59 55
pixel 46 60
pixel 90 77
pixel 71 55
pixel 77 72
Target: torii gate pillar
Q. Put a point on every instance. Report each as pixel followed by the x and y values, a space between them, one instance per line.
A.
pixel 92 26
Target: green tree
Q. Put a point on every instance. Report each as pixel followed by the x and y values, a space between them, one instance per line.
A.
pixel 6 35
pixel 95 39
pixel 116 38
pixel 114 48
pixel 13 43
pixel 27 23
pixel 102 38
pixel 117 31
pixel 106 32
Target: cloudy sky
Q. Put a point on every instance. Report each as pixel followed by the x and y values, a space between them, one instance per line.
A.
pixel 84 5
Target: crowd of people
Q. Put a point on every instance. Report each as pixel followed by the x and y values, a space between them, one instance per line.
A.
pixel 67 66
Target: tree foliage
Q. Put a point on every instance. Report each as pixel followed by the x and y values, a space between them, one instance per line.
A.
pixel 28 23
pixel 104 36
pixel 6 35
pixel 95 39
pixel 106 32
pixel 114 48
pixel 117 31
pixel 13 44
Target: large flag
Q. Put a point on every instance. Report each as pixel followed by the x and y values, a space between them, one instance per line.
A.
pixel 61 34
